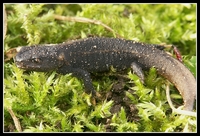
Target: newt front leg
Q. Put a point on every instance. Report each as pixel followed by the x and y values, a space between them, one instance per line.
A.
pixel 81 74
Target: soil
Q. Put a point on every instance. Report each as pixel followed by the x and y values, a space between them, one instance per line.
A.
pixel 118 95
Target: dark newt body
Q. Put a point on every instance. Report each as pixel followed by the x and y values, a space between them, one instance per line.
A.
pixel 98 54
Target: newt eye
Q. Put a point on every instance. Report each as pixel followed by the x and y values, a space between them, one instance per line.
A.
pixel 36 60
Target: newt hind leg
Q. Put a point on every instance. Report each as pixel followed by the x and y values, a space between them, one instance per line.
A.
pixel 138 71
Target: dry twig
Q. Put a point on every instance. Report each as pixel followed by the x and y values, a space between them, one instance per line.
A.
pixel 178 111
pixel 15 119
pixel 86 20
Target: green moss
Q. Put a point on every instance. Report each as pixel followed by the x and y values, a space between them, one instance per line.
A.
pixel 48 102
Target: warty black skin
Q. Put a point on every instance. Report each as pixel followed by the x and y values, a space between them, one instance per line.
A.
pixel 81 57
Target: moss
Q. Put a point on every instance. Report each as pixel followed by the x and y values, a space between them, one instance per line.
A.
pixel 48 102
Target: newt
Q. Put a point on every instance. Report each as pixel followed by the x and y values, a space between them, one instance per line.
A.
pixel 97 54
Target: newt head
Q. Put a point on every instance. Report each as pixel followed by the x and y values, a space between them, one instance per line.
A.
pixel 38 58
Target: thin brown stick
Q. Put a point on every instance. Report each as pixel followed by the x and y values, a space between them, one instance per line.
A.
pixel 15 119
pixel 86 20
pixel 4 22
